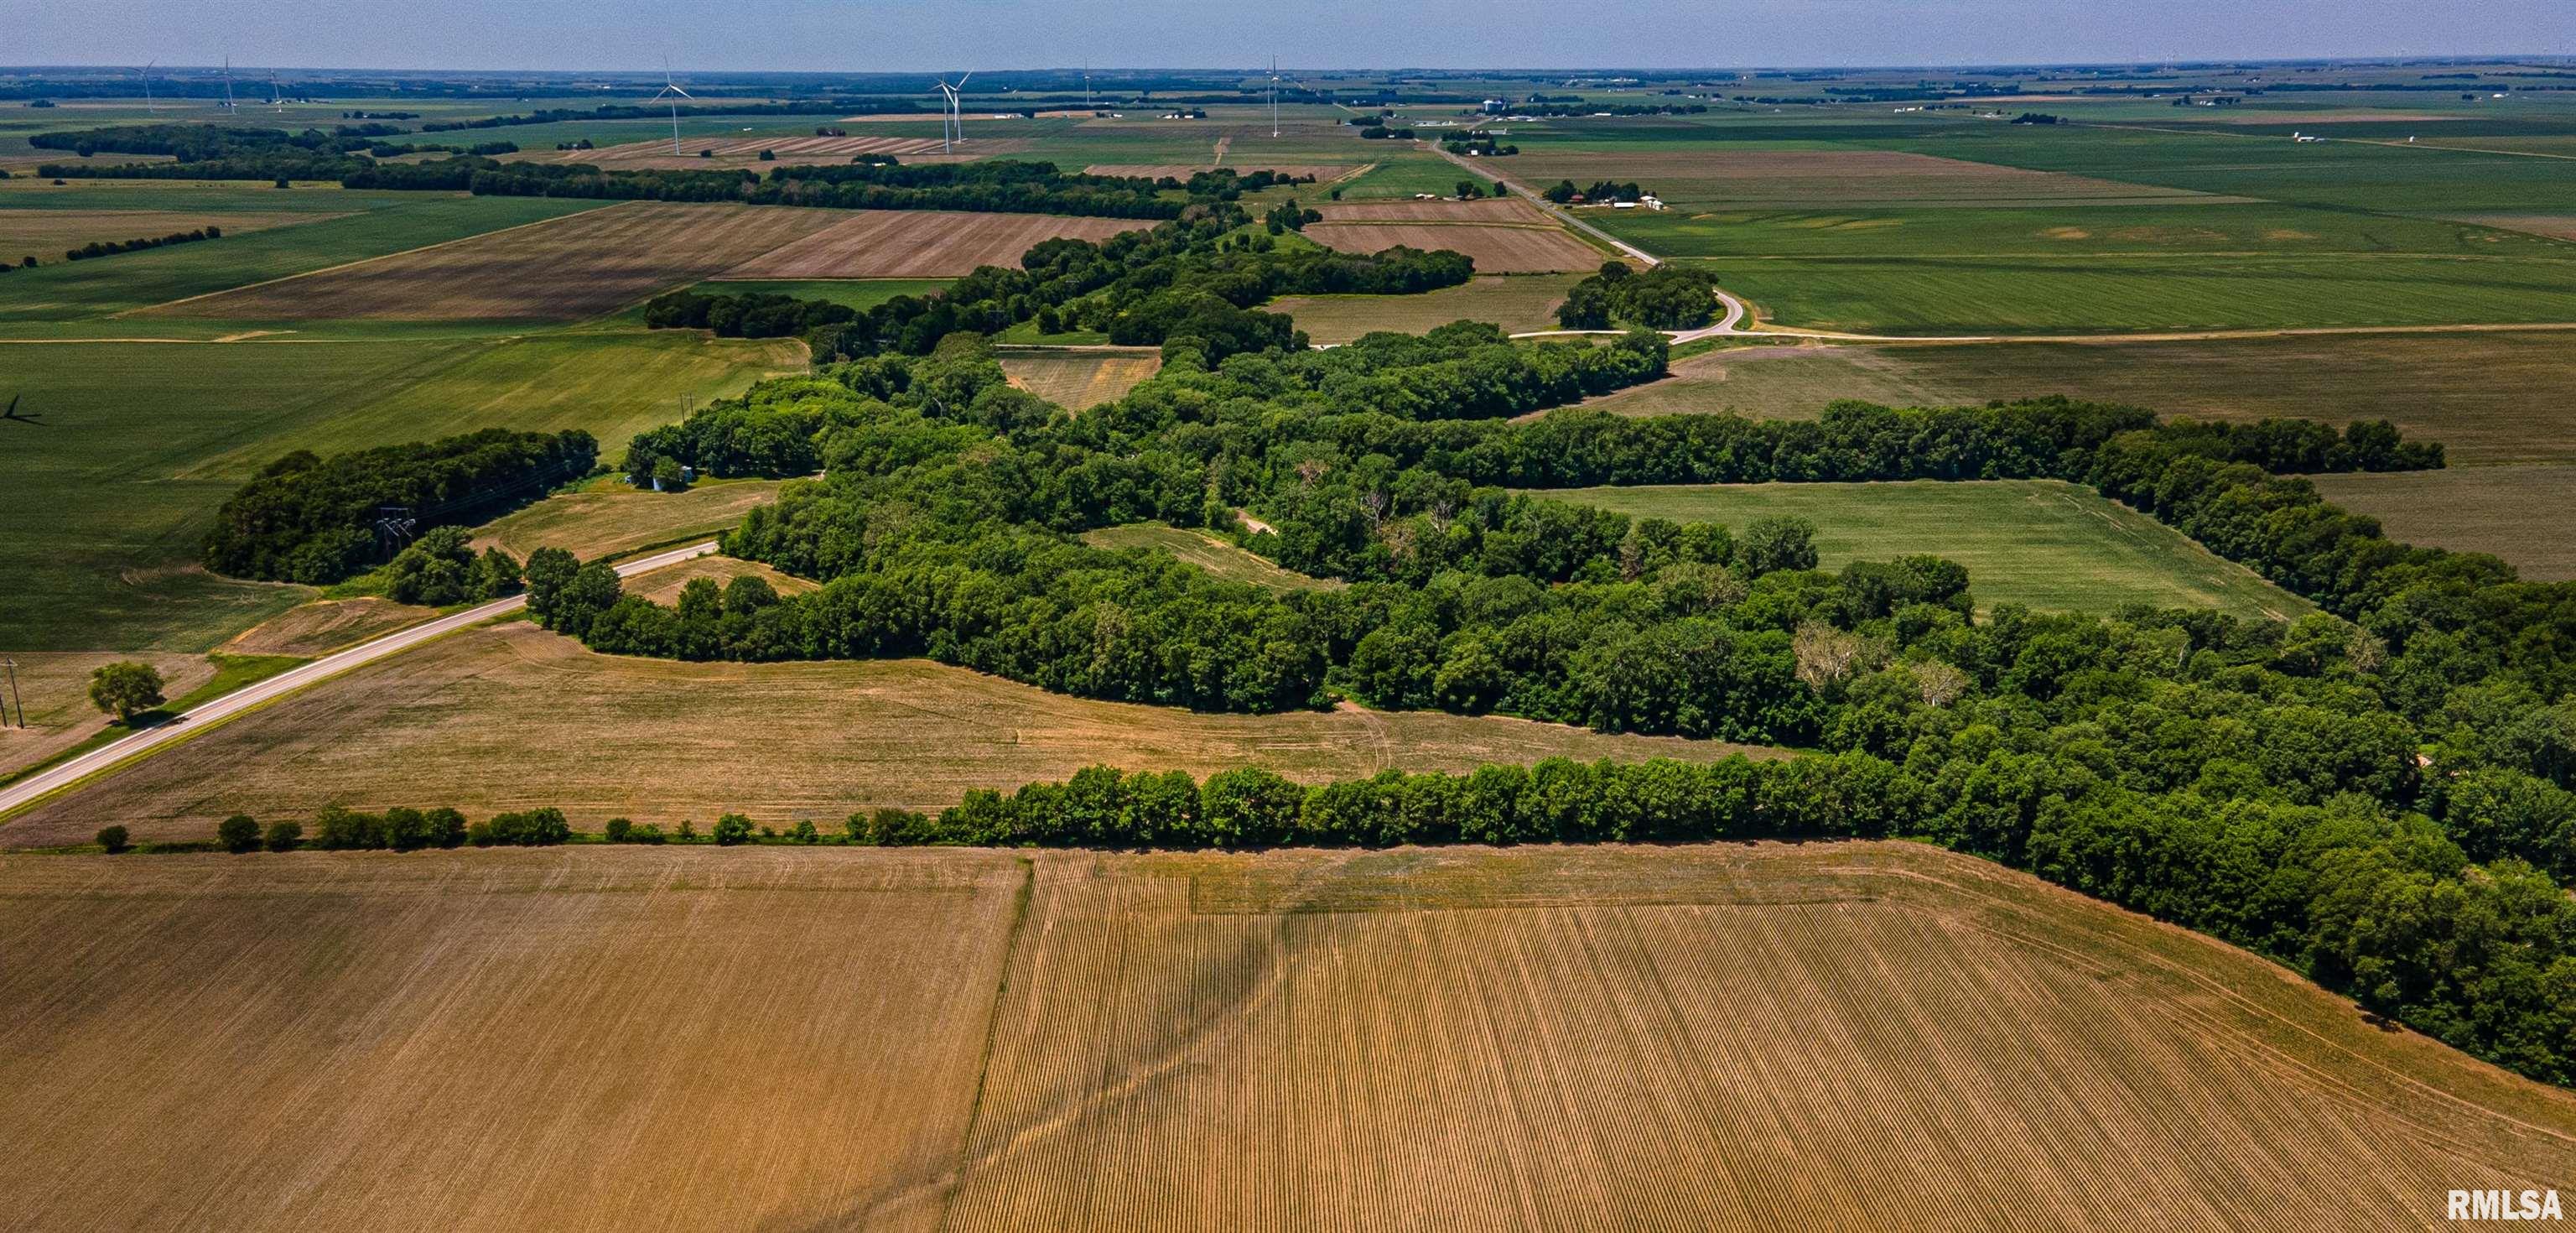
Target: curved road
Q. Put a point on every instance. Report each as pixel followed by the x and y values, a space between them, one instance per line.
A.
pixel 43 783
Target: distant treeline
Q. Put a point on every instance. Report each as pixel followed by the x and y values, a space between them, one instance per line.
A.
pixel 313 520
pixel 1000 186
pixel 107 248
pixel 216 151
pixel 632 111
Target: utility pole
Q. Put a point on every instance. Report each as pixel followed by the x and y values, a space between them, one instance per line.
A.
pixel 12 665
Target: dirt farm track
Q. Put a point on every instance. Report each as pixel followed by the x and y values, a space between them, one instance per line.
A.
pixel 1737 1037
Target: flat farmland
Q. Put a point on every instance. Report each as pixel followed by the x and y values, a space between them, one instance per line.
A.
pixel 1717 174
pixel 592 262
pixel 1495 210
pixel 1532 1038
pixel 2526 515
pixel 2472 391
pixel 917 243
pixel 372 225
pixel 1788 382
pixel 737 150
pixel 2047 544
pixel 769 1041
pixel 860 293
pixel 1517 302
pixel 2039 295
pixel 610 517
pixel 1497 249
pixel 44 234
pixel 1079 380
pixel 662 741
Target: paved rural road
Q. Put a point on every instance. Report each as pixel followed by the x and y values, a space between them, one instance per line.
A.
pixel 28 790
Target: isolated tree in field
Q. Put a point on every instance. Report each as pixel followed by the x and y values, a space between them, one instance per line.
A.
pixel 125 688
pixel 284 836
pixel 114 839
pixel 238 833
pixel 731 829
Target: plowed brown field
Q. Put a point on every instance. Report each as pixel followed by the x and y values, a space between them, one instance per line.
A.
pixel 1496 249
pixel 1513 210
pixel 920 243
pixel 560 270
pixel 1726 1038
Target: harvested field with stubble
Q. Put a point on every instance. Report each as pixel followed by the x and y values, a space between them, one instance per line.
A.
pixel 662 740
pixel 561 270
pixel 1516 302
pixel 1079 380
pixel 1757 1036
pixel 2525 515
pixel 310 631
pixel 920 243
pixel 1496 248
pixel 1499 211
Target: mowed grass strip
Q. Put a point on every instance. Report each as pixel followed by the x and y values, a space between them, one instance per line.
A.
pixel 610 517
pixel 2525 514
pixel 1518 303
pixel 1967 296
pixel 2046 544
pixel 1217 556
pixel 661 740
pixel 1505 249
pixel 1078 380
pixel 563 271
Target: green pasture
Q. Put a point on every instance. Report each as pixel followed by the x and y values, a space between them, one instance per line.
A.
pixel 2043 543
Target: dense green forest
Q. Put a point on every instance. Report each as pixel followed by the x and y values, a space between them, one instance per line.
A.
pixel 317 520
pixel 2379 795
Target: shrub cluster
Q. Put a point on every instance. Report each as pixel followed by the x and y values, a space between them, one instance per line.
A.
pixel 399 829
pixel 313 520
pixel 108 248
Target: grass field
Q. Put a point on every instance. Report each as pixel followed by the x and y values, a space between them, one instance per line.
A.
pixel 1518 303
pixel 662 740
pixel 2471 391
pixel 1216 556
pixel 1537 1038
pixel 144 440
pixel 2526 514
pixel 2043 543
pixel 1079 380
pixel 859 293
pixel 610 517
pixel 310 631
pixel 44 234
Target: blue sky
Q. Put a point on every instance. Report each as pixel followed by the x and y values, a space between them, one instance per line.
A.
pixel 873 35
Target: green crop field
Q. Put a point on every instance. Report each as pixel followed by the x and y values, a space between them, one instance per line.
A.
pixel 2043 543
pixel 143 441
pixel 1516 302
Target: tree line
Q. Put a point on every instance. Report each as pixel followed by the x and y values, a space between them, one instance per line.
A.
pixel 2377 904
pixel 316 521
pixel 1671 296
pixel 109 248
pixel 878 183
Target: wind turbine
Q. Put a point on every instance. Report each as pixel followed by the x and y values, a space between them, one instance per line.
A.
pixel 955 120
pixel 1274 96
pixel 276 101
pixel 148 104
pixel 228 85
pixel 672 91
